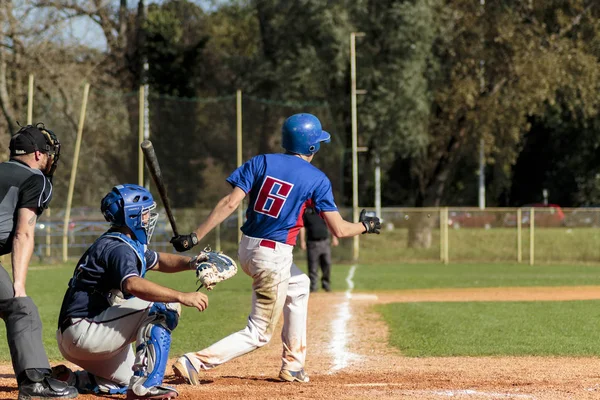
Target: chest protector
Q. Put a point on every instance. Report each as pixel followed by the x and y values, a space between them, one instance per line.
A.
pixel 137 247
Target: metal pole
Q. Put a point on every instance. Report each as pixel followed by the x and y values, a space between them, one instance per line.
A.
pixel 30 101
pixel 531 236
pixel 355 244
pixel 481 142
pixel 48 229
pixel 377 186
pixel 481 175
pixel 519 236
pixel 86 91
pixel 446 242
pixel 442 223
pixel 146 112
pixel 141 136
pixel 238 107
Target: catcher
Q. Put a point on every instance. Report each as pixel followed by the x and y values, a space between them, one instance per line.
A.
pixel 109 305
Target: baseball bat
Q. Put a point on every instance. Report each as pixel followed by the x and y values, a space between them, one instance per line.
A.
pixel 154 168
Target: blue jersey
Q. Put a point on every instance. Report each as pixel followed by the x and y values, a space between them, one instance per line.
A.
pixel 280 186
pixel 104 267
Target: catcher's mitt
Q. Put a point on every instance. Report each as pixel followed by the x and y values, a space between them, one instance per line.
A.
pixel 212 268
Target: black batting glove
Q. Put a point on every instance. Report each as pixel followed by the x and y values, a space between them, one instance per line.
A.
pixel 372 224
pixel 184 242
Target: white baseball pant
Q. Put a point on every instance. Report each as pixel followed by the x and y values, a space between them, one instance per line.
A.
pixel 102 345
pixel 278 285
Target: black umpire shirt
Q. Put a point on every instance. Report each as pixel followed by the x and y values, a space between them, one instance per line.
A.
pixel 20 187
pixel 316 228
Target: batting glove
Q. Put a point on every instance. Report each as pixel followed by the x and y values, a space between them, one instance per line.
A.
pixel 372 224
pixel 184 242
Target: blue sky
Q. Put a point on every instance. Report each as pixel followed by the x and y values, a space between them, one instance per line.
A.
pixel 84 31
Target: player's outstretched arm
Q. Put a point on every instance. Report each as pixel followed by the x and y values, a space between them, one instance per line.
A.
pixel 169 263
pixel 224 208
pixel 150 291
pixel 340 228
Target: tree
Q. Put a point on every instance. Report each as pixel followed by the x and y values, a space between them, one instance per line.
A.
pixel 532 53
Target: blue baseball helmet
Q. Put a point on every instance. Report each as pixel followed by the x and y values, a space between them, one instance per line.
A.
pixel 125 205
pixel 303 134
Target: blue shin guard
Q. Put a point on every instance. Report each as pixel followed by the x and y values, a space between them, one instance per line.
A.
pixel 152 351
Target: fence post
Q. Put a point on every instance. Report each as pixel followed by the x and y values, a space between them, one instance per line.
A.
pixel 48 228
pixel 519 236
pixel 446 242
pixel 86 91
pixel 441 235
pixel 238 109
pixel 531 235
pixel 141 108
pixel 30 101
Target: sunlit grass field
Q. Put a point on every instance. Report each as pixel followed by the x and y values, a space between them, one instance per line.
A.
pixel 417 329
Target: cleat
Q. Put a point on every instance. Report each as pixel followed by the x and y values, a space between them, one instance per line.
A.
pixel 64 374
pixel 156 392
pixel 48 388
pixel 293 376
pixel 183 368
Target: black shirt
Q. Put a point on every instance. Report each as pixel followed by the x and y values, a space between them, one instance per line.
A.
pixel 20 187
pixel 316 228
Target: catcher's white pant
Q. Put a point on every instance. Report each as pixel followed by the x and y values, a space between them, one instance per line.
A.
pixel 278 285
pixel 102 345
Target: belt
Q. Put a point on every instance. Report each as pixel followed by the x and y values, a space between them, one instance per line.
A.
pixel 268 243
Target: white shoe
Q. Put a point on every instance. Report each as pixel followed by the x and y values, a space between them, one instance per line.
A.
pixel 184 369
pixel 293 376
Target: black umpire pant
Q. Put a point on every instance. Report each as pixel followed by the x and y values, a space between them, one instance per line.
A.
pixel 23 328
pixel 318 253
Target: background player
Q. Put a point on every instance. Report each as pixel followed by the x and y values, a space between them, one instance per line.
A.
pixel 25 191
pixel 279 187
pixel 109 305
pixel 314 238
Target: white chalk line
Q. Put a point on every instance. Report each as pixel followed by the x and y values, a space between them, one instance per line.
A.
pixel 339 326
pixel 448 393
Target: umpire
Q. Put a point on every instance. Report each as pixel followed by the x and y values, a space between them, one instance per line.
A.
pixel 25 191
pixel 314 238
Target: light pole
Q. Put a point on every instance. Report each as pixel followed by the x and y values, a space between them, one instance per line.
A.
pixel 353 36
pixel 481 141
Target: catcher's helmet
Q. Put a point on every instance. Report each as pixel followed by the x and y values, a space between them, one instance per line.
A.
pixel 302 134
pixel 125 205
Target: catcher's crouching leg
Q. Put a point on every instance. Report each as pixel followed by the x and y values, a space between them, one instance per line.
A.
pixel 152 353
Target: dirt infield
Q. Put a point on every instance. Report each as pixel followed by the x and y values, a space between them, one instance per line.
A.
pixel 348 359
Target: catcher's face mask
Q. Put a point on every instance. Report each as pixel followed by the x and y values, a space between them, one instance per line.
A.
pixel 53 149
pixel 149 220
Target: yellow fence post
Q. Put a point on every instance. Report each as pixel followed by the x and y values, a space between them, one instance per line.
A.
pixel 142 106
pixel 519 236
pixel 238 109
pixel 48 228
pixel 446 241
pixel 531 235
pixel 30 101
pixel 86 91
pixel 442 223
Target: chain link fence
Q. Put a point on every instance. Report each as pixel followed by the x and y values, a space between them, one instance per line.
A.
pixel 408 235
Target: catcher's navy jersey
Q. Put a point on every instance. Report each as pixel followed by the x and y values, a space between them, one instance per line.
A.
pixel 280 186
pixel 104 267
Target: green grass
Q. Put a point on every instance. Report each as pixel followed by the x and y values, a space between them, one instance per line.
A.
pixel 494 328
pixel 375 277
pixel 228 309
pixel 230 301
